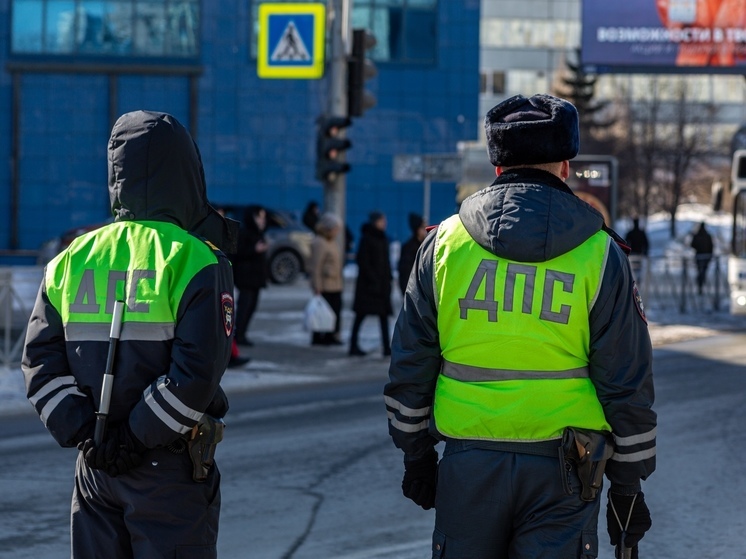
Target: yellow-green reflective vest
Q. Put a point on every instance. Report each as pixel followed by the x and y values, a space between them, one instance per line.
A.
pixel 515 340
pixel 147 264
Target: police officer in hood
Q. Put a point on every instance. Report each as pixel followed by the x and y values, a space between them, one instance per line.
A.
pixel 139 493
pixel 522 344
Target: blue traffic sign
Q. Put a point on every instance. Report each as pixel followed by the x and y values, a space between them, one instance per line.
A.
pixel 291 41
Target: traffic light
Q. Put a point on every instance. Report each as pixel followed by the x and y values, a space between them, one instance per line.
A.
pixel 359 70
pixel 330 146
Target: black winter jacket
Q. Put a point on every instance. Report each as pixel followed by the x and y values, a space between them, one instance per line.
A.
pixel 166 375
pixel 373 284
pixel 529 215
pixel 249 265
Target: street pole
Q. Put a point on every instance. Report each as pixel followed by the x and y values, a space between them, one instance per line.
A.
pixel 426 187
pixel 335 187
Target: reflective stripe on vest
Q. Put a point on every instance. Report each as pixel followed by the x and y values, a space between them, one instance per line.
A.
pixel 147 264
pixel 515 340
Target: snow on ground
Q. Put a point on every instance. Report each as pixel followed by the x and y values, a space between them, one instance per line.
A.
pixel 688 218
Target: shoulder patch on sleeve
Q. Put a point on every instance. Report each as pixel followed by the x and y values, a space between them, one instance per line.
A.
pixel 226 305
pixel 638 301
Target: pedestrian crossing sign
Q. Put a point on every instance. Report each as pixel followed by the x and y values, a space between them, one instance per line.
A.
pixel 291 40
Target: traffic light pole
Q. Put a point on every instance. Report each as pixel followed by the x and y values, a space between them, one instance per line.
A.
pixel 335 188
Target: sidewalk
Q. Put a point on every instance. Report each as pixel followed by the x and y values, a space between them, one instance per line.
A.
pixel 282 354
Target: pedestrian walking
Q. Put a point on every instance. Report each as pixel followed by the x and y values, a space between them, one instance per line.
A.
pixel 373 283
pixel 326 273
pixel 703 247
pixel 236 360
pixel 250 269
pixel 409 249
pixel 637 240
pixel 522 344
pixel 311 215
pixel 150 487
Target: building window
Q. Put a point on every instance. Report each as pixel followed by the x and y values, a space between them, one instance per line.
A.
pixel 405 30
pixel 491 83
pixel 529 33
pixel 498 82
pixel 125 28
pixel 526 82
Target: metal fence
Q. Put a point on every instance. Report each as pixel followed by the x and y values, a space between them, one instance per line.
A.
pixel 18 288
pixel 667 284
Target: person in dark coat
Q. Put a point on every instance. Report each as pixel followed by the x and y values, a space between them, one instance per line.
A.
pixel 702 245
pixel 311 215
pixel 373 284
pixel 249 269
pixel 637 239
pixel 409 249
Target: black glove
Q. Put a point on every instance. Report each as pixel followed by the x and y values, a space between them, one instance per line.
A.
pixel 421 479
pixel 639 519
pixel 120 452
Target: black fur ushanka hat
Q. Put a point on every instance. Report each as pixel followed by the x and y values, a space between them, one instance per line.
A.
pixel 529 131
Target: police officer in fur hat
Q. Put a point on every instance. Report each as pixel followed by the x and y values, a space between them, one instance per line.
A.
pixel 523 346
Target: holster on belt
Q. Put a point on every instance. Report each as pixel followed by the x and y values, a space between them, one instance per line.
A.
pixel 589 451
pixel 205 436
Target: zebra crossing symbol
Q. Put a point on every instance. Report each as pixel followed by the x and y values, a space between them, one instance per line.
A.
pixel 291 40
pixel 291 46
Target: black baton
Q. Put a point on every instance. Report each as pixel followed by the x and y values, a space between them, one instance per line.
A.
pixel 103 411
pixel 623 552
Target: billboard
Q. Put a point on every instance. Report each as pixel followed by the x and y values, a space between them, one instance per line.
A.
pixel 664 36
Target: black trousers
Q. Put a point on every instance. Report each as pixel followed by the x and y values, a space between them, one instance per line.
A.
pixel 384 320
pixel 702 263
pixel 155 510
pixel 493 504
pixel 248 299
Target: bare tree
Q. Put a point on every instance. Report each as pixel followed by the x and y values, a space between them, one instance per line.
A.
pixel 663 144
pixel 686 143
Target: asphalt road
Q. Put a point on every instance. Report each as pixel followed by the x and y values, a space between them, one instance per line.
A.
pixel 308 470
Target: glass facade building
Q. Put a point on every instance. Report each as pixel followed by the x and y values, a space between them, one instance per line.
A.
pixel 525 43
pixel 69 68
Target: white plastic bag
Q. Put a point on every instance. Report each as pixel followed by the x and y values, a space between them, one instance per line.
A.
pixel 319 316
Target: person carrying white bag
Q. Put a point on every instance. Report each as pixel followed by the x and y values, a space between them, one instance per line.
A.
pixel 323 312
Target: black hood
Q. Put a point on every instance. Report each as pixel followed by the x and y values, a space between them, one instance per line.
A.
pixel 155 173
pixel 529 215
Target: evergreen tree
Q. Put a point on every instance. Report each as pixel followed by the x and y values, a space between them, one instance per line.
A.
pixel 579 87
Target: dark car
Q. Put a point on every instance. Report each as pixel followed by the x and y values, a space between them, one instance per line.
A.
pixel 288 239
